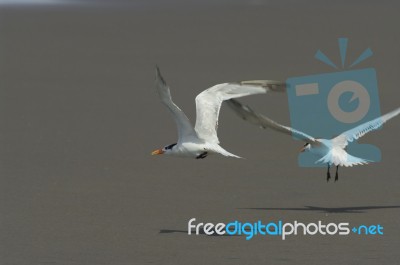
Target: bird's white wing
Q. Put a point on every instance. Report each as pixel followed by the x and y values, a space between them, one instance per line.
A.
pixel 208 103
pixel 185 128
pixel 246 113
pixel 359 131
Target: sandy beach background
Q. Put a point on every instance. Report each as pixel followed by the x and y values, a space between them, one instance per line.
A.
pixel 80 116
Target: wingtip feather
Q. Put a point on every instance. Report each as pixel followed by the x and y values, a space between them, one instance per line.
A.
pixel 159 77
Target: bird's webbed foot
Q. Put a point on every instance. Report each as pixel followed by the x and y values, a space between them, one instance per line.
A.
pixel 328 174
pixel 337 174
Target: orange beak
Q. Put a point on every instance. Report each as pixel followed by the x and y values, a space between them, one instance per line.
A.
pixel 157 152
pixel 302 149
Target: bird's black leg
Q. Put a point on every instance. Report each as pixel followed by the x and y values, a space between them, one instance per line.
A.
pixel 328 174
pixel 202 155
pixel 337 175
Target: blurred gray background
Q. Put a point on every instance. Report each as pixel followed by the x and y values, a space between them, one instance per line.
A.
pixel 80 116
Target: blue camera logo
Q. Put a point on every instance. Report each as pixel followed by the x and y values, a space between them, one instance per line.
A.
pixel 325 105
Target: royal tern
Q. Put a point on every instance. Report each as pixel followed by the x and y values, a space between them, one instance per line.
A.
pixel 202 140
pixel 331 151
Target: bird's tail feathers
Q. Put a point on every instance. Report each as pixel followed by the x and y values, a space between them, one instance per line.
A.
pixel 345 161
pixel 223 152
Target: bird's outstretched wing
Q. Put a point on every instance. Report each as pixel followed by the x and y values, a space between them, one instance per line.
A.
pixel 185 128
pixel 353 134
pixel 208 103
pixel 246 113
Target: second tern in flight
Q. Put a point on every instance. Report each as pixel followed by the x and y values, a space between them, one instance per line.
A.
pixel 330 151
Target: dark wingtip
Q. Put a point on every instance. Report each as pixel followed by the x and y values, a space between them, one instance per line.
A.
pixel 157 70
pixel 241 106
pixel 279 87
pixel 240 109
pixel 159 76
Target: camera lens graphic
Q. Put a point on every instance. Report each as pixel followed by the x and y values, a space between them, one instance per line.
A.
pixel 359 92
